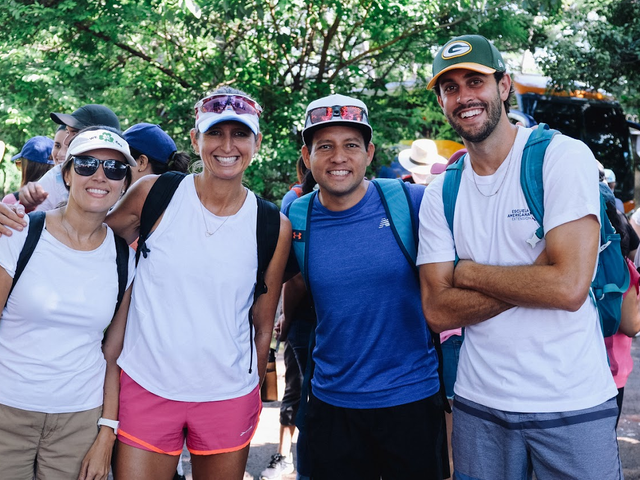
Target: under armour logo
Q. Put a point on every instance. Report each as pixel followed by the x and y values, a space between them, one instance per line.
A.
pixel 297 235
pixel 384 223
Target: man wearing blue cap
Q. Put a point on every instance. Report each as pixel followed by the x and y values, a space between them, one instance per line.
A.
pixel 533 392
pixel 375 410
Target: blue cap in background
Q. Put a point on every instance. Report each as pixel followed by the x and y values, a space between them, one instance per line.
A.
pixel 37 149
pixel 151 140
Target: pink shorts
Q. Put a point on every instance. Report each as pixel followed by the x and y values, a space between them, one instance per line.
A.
pixel 156 424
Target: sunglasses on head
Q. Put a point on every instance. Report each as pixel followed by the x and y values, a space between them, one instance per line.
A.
pixel 86 166
pixel 346 112
pixel 219 103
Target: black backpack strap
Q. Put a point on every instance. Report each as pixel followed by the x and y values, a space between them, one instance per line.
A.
pixel 36 224
pixel 267 232
pixel 122 263
pixel 154 206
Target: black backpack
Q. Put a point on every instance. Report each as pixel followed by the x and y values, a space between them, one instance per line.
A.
pixel 267 230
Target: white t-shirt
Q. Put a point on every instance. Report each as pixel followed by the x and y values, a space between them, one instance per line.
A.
pixel 187 333
pixel 53 183
pixel 52 327
pixel 524 359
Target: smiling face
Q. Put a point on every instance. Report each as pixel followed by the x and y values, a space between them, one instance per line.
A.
pixel 338 160
pixel 69 134
pixel 473 102
pixel 226 149
pixel 95 193
pixel 57 146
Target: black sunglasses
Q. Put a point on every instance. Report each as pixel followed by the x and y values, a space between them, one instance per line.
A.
pixel 87 166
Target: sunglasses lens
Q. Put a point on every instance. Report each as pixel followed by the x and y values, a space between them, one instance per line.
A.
pixel 351 113
pixel 240 105
pixel 320 114
pixel 215 104
pixel 85 166
pixel 114 170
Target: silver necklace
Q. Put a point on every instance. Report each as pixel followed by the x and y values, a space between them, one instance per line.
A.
pixel 208 233
pixel 473 174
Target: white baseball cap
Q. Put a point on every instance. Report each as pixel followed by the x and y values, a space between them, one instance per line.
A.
pixel 100 138
pixel 336 117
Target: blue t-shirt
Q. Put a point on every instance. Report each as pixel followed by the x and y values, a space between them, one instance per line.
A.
pixel 373 348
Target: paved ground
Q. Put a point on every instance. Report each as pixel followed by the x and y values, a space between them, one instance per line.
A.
pixel 265 441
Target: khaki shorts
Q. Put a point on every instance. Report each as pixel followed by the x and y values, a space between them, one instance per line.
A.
pixel 51 446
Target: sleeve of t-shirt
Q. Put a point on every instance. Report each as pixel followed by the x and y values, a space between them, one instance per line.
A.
pixel 435 240
pixel 287 200
pixel 570 179
pixel 10 248
pixel 48 182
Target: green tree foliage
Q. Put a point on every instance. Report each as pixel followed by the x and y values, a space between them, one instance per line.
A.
pixel 598 45
pixel 150 60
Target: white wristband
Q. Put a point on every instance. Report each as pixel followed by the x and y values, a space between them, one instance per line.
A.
pixel 109 423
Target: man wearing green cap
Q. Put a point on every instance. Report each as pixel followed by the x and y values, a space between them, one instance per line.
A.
pixel 533 391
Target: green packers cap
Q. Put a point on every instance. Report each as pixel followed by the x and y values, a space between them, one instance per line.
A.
pixel 471 52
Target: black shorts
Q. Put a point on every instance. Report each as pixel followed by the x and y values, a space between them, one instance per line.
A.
pixel 396 443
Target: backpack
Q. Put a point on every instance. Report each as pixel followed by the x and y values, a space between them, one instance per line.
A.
pixel 612 276
pixel 36 224
pixel 267 231
pixel 396 201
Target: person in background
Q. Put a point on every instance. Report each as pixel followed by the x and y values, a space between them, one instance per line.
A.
pixel 50 192
pixel 293 327
pixel 422 161
pixel 154 150
pixel 58 346
pixel 34 160
pixel 58 139
pixel 610 178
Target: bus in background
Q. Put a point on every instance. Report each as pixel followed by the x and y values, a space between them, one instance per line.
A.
pixel 591 116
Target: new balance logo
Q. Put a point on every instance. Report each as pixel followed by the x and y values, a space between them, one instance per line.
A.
pixel 384 223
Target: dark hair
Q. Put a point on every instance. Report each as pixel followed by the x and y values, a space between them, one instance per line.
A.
pixel 178 162
pixel 33 171
pixel 620 222
pixel 66 166
pixel 61 127
pixel 308 183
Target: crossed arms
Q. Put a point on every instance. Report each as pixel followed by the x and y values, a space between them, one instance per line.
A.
pixel 471 292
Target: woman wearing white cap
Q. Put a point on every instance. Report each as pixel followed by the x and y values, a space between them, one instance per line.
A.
pixel 191 362
pixel 59 336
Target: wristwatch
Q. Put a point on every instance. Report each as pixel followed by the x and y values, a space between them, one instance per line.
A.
pixel 109 423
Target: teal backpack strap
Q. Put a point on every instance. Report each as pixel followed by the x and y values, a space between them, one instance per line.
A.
pixel 299 213
pixel 397 205
pixel 531 176
pixel 450 188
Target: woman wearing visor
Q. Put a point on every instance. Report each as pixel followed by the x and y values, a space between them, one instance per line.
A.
pixel 59 337
pixel 191 364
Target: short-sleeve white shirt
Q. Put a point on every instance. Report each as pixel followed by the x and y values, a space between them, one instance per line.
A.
pixel 524 359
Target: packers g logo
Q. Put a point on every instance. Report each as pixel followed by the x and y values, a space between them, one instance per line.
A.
pixel 456 49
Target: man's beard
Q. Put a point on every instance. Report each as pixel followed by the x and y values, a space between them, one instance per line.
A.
pixel 494 112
